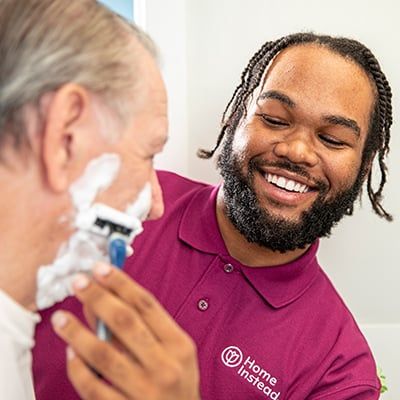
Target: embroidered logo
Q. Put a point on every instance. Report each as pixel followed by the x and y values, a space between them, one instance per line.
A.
pixel 250 371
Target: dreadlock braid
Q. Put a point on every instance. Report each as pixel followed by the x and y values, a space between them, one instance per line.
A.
pixel 378 139
pixel 237 97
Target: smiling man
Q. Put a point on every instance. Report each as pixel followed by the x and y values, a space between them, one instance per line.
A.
pixel 297 162
pixel 236 264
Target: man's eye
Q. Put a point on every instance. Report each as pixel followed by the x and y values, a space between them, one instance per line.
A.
pixel 328 140
pixel 273 121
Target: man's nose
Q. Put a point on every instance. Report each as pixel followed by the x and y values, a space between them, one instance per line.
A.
pixel 157 202
pixel 298 148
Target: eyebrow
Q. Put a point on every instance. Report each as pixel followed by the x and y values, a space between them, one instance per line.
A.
pixel 342 121
pixel 331 119
pixel 275 95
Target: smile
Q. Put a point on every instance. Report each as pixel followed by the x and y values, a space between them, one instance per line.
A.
pixel 287 184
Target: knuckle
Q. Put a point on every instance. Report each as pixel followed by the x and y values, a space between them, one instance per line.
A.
pixel 90 393
pixel 171 378
pixel 146 302
pixel 145 388
pixel 120 370
pixel 101 357
pixel 143 337
pixel 123 319
pixel 107 361
pixel 187 351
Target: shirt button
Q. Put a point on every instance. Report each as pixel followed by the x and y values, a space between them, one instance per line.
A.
pixel 228 268
pixel 202 304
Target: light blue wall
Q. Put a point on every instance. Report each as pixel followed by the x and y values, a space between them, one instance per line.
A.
pixel 122 7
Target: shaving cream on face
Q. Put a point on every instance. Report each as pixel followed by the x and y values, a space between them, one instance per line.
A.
pixel 141 207
pixel 84 248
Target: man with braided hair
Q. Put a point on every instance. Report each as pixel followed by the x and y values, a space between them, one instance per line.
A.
pixel 235 264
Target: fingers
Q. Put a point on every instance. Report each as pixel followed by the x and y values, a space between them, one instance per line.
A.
pixel 86 383
pixel 160 323
pixel 112 364
pixel 124 322
pixel 90 317
pixel 158 361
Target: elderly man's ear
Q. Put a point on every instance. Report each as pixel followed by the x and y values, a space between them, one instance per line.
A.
pixel 66 137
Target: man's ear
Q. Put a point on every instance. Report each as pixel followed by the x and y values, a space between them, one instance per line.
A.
pixel 67 118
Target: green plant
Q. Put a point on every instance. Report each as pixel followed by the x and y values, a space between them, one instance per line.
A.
pixel 382 378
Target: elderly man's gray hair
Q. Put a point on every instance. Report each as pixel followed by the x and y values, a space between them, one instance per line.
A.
pixel 47 43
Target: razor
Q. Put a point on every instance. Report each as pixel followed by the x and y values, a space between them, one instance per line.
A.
pixel 119 229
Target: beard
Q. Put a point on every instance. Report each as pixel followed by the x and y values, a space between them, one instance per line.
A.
pixel 258 225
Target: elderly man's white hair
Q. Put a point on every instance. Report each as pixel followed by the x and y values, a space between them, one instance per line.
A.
pixel 47 43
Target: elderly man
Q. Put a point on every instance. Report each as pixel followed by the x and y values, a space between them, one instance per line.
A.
pixel 83 113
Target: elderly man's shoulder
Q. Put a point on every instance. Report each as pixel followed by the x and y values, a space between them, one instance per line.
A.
pixel 175 186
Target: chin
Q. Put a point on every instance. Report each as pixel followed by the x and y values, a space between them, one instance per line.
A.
pixel 282 212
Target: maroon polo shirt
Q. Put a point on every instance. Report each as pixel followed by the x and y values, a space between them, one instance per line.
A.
pixel 277 332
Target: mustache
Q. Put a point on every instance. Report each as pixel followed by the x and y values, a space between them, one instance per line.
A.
pixel 257 164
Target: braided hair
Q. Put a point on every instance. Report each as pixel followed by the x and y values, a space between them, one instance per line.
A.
pixel 378 138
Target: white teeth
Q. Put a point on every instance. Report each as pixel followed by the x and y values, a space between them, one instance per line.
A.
pixel 281 182
pixel 287 184
pixel 303 188
pixel 290 185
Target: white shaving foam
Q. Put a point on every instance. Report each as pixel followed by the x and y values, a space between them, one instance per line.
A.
pixel 83 248
pixel 141 207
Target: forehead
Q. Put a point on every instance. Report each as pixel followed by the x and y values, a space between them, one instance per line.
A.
pixel 150 110
pixel 322 81
pixel 150 86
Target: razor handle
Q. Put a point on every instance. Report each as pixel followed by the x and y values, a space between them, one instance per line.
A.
pixel 117 253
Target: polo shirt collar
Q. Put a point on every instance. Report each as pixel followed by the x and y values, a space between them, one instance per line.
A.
pixel 278 285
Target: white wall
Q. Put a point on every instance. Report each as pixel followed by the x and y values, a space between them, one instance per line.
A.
pixel 206 45
pixel 383 339
pixel 166 23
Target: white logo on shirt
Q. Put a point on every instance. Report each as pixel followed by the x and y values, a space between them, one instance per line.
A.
pixel 250 371
pixel 232 356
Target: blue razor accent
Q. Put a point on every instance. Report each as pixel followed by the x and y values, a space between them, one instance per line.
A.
pixel 117 254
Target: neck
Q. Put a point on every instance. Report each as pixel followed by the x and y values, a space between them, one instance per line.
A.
pixel 250 254
pixel 16 258
pixel 27 238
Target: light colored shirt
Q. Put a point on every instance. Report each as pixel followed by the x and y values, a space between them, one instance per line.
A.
pixel 17 326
